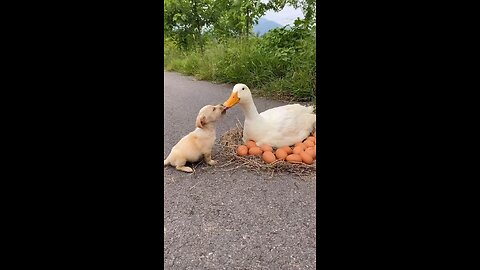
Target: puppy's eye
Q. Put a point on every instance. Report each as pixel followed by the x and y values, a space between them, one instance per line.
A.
pixel 213 108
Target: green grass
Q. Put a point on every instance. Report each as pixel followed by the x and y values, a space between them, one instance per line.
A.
pixel 280 73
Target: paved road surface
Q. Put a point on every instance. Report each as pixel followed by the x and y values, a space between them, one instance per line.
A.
pixel 218 219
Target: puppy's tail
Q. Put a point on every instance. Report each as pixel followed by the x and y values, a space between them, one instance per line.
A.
pixel 166 161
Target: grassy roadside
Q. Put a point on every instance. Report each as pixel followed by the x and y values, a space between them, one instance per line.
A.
pixel 272 69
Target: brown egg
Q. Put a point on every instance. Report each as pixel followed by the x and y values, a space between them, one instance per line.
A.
pixel 266 148
pixel 255 151
pixel 268 157
pixel 242 150
pixel 306 158
pixel 251 144
pixel 311 138
pixel 308 143
pixel 312 152
pixel 294 158
pixel 298 149
pixel 300 144
pixel 281 154
pixel 287 149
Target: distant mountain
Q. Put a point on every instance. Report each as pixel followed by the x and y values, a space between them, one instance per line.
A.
pixel 264 26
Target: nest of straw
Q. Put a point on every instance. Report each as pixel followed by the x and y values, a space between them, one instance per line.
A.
pixel 232 139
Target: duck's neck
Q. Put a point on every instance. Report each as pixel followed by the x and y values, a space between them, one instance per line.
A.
pixel 249 110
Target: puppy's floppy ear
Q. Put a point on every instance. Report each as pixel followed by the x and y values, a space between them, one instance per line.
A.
pixel 201 120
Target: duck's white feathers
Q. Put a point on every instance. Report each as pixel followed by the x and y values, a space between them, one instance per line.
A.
pixel 277 127
pixel 280 126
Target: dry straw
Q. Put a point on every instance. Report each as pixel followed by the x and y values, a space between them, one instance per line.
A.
pixel 229 143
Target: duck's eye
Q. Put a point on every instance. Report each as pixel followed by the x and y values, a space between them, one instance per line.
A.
pixel 243 88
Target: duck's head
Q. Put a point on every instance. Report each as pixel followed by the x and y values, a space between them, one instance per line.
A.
pixel 240 95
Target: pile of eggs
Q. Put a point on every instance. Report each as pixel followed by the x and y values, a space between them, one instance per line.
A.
pixel 301 152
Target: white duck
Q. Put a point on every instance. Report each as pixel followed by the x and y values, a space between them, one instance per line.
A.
pixel 277 127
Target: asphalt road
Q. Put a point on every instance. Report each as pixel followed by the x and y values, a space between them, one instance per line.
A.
pixel 237 219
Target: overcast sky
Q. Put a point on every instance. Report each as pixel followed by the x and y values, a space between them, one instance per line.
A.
pixel 285 16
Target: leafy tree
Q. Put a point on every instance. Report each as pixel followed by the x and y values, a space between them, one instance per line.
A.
pixel 188 21
pixel 237 17
pixel 308 7
pixel 185 20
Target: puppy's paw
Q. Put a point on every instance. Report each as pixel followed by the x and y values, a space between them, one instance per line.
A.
pixel 212 162
pixel 184 169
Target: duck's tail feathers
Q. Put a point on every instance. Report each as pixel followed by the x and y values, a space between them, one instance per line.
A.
pixel 313 121
pixel 310 109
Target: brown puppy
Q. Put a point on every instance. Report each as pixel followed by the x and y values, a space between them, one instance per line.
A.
pixel 198 143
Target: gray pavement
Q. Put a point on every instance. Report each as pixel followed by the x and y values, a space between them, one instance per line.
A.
pixel 219 218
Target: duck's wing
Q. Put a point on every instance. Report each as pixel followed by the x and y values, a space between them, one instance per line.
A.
pixel 290 123
pixel 287 109
pixel 287 116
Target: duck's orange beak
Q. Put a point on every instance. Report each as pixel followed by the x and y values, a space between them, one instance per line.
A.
pixel 232 100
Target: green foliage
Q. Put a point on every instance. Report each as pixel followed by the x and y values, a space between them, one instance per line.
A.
pixel 308 7
pixel 281 70
pixel 211 39
pixel 185 20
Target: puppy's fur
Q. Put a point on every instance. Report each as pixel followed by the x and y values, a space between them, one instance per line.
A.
pixel 198 143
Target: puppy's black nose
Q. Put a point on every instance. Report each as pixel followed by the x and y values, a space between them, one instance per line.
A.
pixel 223 108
